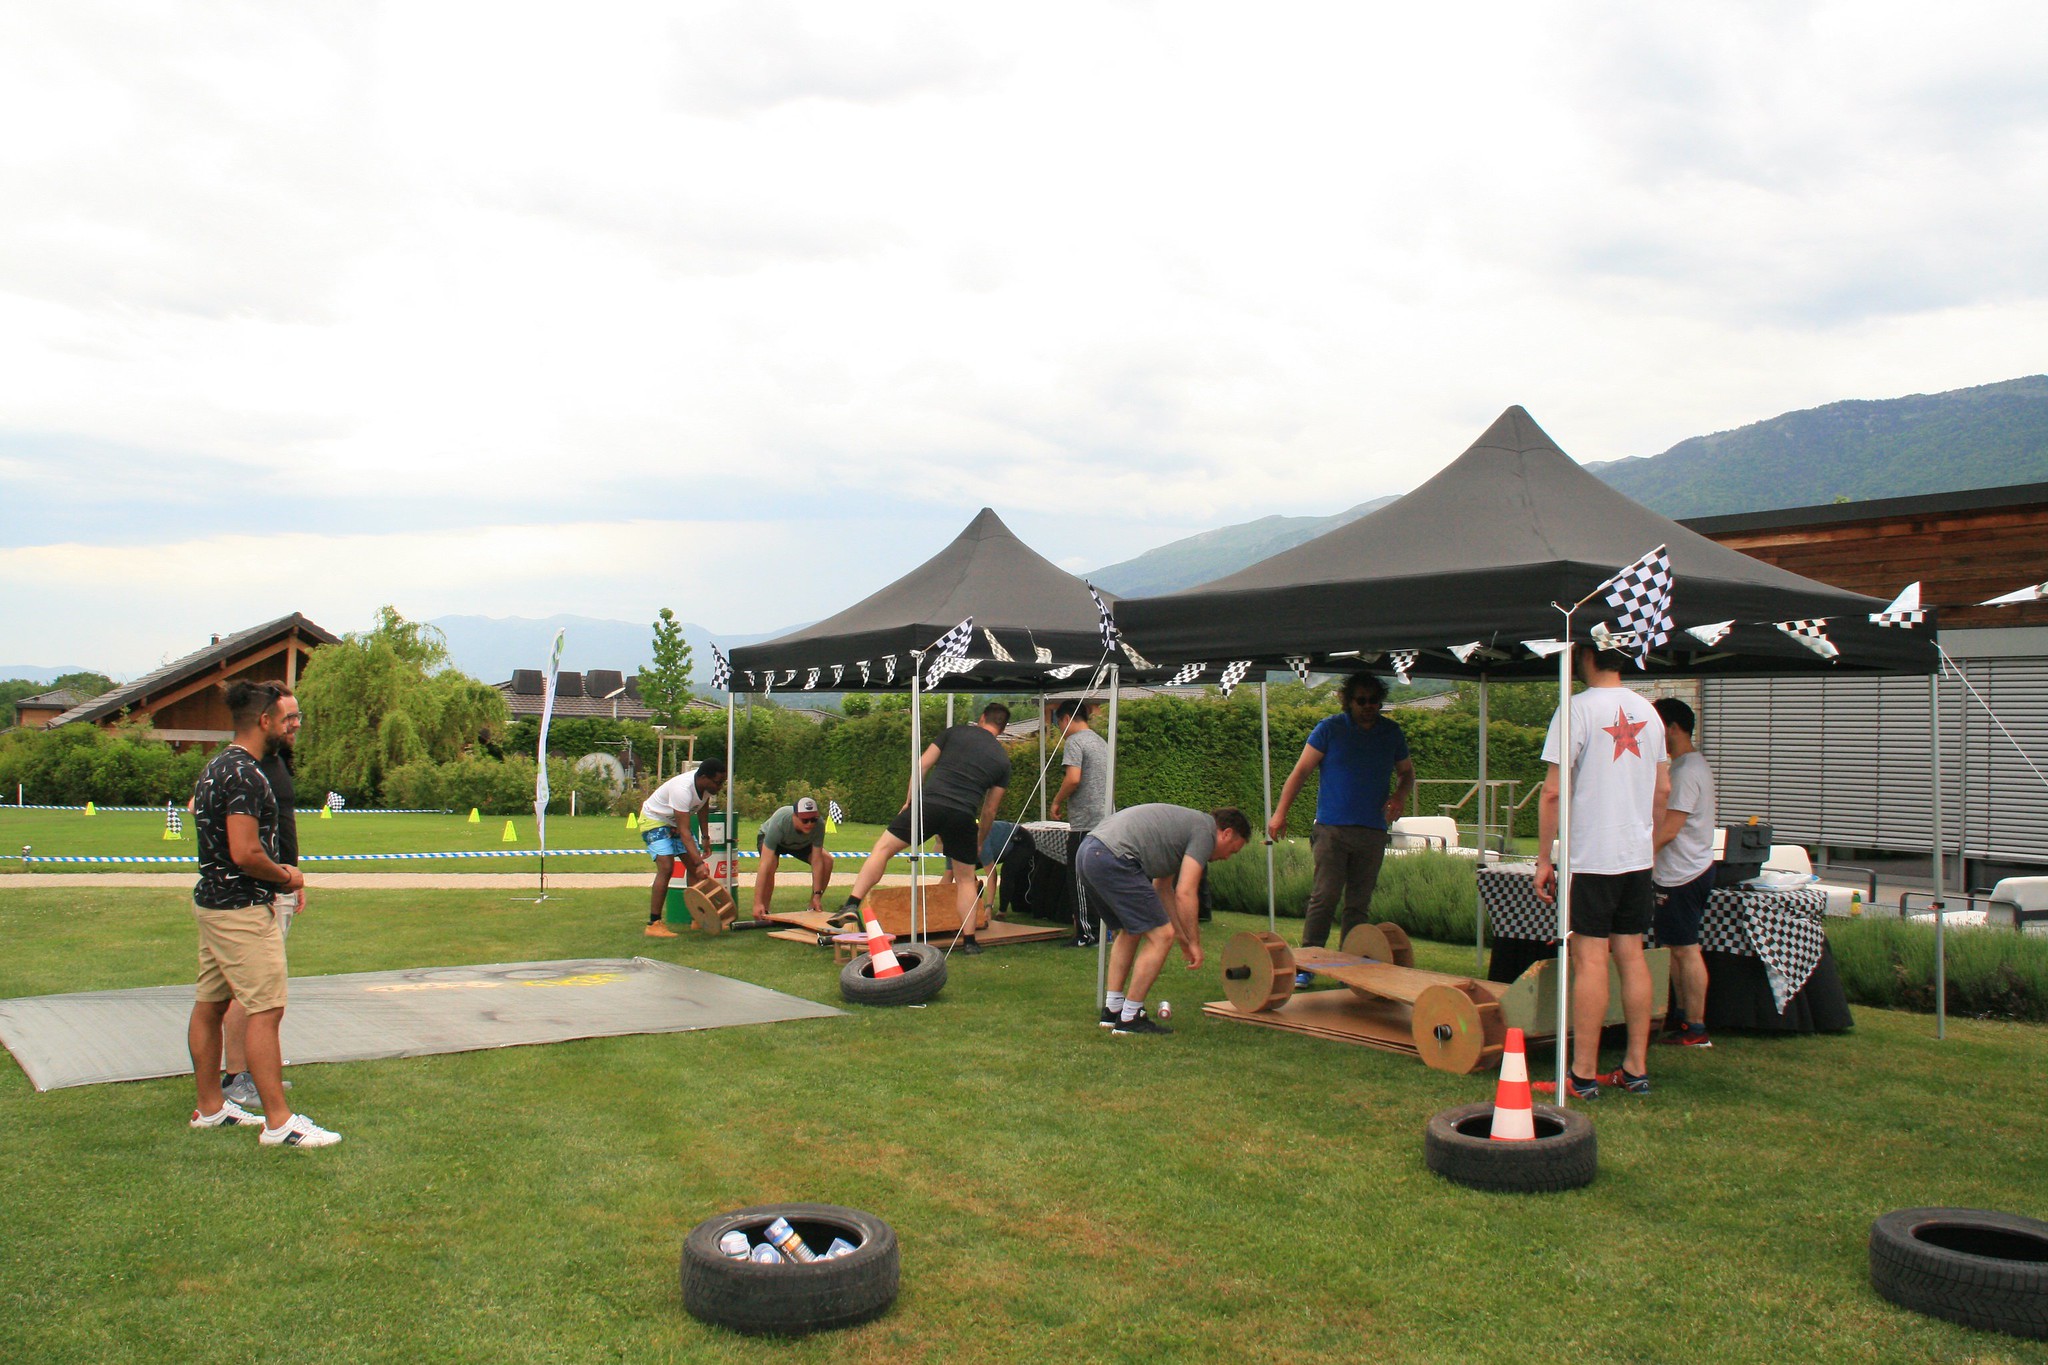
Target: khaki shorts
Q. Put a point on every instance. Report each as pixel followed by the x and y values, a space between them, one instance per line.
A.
pixel 241 957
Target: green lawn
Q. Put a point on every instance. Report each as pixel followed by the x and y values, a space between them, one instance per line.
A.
pixel 141 834
pixel 1229 1194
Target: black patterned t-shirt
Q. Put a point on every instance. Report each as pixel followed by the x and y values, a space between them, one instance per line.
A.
pixel 232 784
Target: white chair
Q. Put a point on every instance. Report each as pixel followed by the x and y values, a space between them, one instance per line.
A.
pixel 2019 903
pixel 1414 833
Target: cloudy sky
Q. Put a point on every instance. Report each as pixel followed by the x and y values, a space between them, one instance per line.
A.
pixel 516 309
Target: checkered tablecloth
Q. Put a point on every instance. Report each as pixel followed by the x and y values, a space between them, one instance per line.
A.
pixel 1049 837
pixel 1781 929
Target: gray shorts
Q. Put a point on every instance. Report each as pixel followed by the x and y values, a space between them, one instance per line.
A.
pixel 1119 888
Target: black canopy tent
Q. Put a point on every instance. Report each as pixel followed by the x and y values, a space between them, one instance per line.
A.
pixel 1033 622
pixel 1487 555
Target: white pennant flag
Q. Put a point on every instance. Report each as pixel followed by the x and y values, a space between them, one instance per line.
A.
pixel 790 679
pixel 995 649
pixel 1463 653
pixel 1812 634
pixel 1904 610
pixel 1044 654
pixel 2033 594
pixel 1711 635
pixel 1402 660
pixel 862 665
pixel 838 672
pixel 1233 674
pixel 1543 649
pixel 1186 673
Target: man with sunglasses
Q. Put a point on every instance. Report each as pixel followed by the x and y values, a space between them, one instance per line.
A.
pixel 793 831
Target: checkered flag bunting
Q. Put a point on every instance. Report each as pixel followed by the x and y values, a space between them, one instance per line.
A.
pixel 1812 634
pixel 1105 622
pixel 811 680
pixel 1137 660
pixel 1463 653
pixel 1402 661
pixel 889 670
pixel 1711 635
pixel 721 670
pixel 865 673
pixel 954 643
pixel 995 648
pixel 945 666
pixel 1904 610
pixel 1186 673
pixel 838 672
pixel 1641 597
pixel 789 678
pixel 1233 674
pixel 2018 595
pixel 1064 671
pixel 1299 663
pixel 1043 654
pixel 749 676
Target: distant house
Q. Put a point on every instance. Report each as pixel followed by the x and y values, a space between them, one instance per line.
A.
pixel 184 700
pixel 606 693
pixel 38 711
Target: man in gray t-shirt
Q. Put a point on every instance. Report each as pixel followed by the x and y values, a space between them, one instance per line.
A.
pixel 1083 799
pixel 793 831
pixel 1143 867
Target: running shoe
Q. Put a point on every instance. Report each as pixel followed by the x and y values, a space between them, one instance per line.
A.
pixel 1692 1035
pixel 229 1116
pixel 1143 1024
pixel 968 948
pixel 656 929
pixel 1628 1081
pixel 1111 1018
pixel 1575 1087
pixel 298 1131
pixel 1303 980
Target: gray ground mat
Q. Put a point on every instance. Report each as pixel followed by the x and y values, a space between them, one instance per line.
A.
pixel 134 1035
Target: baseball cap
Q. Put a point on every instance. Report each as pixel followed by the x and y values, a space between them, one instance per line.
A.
pixel 806 806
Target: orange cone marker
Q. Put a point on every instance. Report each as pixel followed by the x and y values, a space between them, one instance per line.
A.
pixel 1514 1120
pixel 885 961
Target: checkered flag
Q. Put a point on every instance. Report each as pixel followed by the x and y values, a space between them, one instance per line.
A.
pixel 995 648
pixel 1904 610
pixel 955 641
pixel 173 821
pixel 749 676
pixel 1299 663
pixel 838 672
pixel 1463 653
pixel 721 670
pixel 1711 635
pixel 811 680
pixel 1401 661
pixel 1137 660
pixel 889 664
pixel 1105 622
pixel 1044 654
pixel 789 678
pixel 1813 634
pixel 833 815
pixel 1641 597
pixel 1233 674
pixel 1064 671
pixel 335 800
pixel 862 665
pixel 945 666
pixel 1186 673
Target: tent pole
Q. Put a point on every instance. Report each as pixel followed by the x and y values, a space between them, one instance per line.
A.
pixel 1479 911
pixel 1564 862
pixel 1266 761
pixel 1940 877
pixel 732 813
pixel 949 710
pixel 1041 757
pixel 1101 930
pixel 916 798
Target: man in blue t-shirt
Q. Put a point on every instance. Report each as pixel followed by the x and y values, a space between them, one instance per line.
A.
pixel 1367 776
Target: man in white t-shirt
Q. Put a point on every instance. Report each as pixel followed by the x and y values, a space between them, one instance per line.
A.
pixel 1685 870
pixel 665 829
pixel 1620 778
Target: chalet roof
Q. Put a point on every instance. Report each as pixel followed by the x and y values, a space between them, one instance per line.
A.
pixel 63 698
pixel 576 694
pixel 193 665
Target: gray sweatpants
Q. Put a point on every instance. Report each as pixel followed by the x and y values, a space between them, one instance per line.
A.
pixel 1347 865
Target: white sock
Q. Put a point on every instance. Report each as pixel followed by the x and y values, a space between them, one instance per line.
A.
pixel 1114 1000
pixel 1132 1009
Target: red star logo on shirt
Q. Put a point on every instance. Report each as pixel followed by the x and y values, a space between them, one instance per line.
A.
pixel 1624 734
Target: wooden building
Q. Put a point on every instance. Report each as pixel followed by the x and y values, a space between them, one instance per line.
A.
pixel 184 699
pixel 38 711
pixel 1844 765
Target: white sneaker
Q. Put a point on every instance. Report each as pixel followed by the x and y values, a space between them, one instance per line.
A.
pixel 230 1114
pixel 298 1131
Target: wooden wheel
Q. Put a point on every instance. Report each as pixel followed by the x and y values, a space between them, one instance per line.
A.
pixel 1457 1028
pixel 1258 971
pixel 1386 942
pixel 711 907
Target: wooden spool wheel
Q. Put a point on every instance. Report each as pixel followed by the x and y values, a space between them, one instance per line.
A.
pixel 711 907
pixel 1258 971
pixel 1386 942
pixel 1458 1027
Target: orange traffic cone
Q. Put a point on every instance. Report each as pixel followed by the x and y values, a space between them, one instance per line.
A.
pixel 1513 1118
pixel 885 961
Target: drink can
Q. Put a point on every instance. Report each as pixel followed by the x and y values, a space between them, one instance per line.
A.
pixel 735 1245
pixel 765 1255
pixel 840 1247
pixel 1165 1010
pixel 784 1237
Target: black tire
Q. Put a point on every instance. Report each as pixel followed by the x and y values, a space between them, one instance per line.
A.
pixel 924 975
pixel 1562 1156
pixel 792 1299
pixel 1981 1269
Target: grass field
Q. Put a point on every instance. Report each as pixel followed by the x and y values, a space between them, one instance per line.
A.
pixel 1228 1194
pixel 141 834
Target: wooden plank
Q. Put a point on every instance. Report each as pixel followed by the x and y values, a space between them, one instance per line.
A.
pixel 1336 1016
pixel 1381 978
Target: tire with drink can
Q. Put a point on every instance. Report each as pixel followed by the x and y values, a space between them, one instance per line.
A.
pixel 924 975
pixel 1562 1156
pixel 791 1297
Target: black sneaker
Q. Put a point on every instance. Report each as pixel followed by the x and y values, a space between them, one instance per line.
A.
pixel 968 948
pixel 1575 1086
pixel 1143 1024
pixel 1111 1018
pixel 1627 1081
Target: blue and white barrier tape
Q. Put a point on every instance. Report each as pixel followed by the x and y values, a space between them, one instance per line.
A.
pixel 402 857
pixel 313 811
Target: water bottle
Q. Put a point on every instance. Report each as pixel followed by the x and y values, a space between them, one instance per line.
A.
pixel 1855 903
pixel 1165 1010
pixel 784 1236
pixel 735 1245
pixel 840 1247
pixel 765 1255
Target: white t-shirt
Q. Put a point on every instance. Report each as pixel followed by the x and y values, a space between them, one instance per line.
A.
pixel 672 799
pixel 1617 745
pixel 1691 851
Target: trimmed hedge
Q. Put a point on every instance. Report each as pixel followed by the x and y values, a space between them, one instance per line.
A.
pixel 1431 895
pixel 1992 973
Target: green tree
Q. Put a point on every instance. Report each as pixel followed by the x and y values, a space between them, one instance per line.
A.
pixel 665 683
pixel 381 699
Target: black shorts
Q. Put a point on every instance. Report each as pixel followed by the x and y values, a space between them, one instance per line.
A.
pixel 1119 888
pixel 958 832
pixel 1680 910
pixel 1608 903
